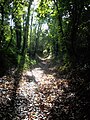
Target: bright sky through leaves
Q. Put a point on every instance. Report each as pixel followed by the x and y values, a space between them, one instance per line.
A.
pixel 44 26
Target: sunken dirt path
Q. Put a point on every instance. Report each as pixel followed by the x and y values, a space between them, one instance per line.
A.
pixel 37 93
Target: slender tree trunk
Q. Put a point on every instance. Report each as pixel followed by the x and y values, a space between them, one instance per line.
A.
pixel 2 27
pixel 26 29
pixel 18 36
pixel 31 31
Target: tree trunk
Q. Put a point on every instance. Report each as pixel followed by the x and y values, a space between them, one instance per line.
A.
pixel 18 36
pixel 2 27
pixel 26 29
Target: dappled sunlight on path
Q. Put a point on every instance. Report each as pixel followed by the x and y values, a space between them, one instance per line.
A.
pixel 37 92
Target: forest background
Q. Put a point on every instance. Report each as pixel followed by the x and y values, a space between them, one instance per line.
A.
pixel 59 29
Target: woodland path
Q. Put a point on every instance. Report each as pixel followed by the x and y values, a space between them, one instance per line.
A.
pixel 37 93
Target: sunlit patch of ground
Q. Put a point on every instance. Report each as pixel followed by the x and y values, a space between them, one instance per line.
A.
pixel 40 90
